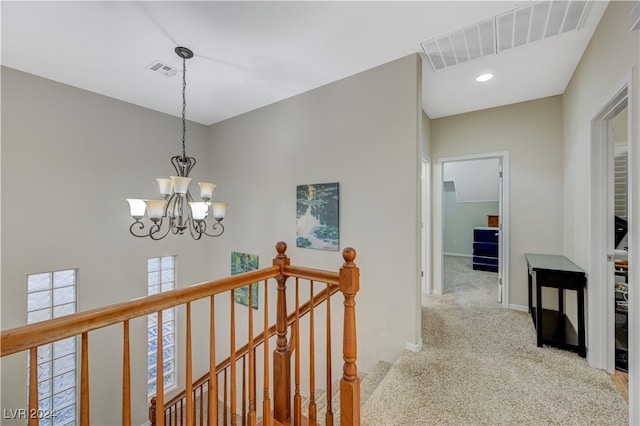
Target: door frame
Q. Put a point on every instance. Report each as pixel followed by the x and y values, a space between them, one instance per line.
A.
pixel 601 333
pixel 438 228
pixel 426 227
pixel 601 318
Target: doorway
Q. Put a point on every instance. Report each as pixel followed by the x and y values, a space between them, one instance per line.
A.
pixel 452 238
pixel 618 185
pixel 613 240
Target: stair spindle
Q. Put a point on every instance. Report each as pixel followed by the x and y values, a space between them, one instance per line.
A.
pixel 225 410
pixel 232 351
pixel 329 414
pixel 33 386
pixel 244 385
pixel 188 375
pixel 159 372
pixel 201 399
pixel 252 365
pixel 85 418
pixel 297 399
pixel 312 362
pixel 126 377
pixel 212 412
pixel 266 402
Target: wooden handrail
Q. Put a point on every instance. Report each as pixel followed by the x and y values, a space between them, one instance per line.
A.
pixel 327 277
pixel 25 337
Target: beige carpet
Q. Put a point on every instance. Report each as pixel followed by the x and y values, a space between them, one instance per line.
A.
pixel 480 366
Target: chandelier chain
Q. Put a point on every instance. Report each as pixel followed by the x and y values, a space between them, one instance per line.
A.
pixel 184 106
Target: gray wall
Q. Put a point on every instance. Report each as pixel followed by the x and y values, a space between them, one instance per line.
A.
pixel 606 65
pixel 532 134
pixel 364 133
pixel 70 158
pixel 460 219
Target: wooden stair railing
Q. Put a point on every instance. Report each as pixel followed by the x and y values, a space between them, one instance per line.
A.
pixel 282 354
pixel 192 407
pixel 242 353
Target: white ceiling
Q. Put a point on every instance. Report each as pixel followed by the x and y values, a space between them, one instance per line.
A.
pixel 252 54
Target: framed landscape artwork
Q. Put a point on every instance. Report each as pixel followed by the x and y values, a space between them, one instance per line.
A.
pixel 243 262
pixel 317 214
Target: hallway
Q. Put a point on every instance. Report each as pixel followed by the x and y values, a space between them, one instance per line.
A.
pixel 480 366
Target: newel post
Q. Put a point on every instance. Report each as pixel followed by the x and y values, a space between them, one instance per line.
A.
pixel 350 383
pixel 282 353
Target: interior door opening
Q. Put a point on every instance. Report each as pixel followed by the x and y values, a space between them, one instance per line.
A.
pixel 618 186
pixel 606 301
pixel 474 216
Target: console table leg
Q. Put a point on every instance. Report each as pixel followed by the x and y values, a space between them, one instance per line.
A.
pixel 539 326
pixel 582 347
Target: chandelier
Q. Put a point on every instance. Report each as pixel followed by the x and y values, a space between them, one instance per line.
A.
pixel 178 211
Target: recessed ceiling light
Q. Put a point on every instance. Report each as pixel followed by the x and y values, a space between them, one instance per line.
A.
pixel 484 77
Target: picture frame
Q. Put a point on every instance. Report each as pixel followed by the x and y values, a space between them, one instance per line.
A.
pixel 240 263
pixel 318 216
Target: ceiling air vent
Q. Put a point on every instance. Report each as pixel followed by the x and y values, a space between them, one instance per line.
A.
pixel 161 68
pixel 535 21
pixel 465 44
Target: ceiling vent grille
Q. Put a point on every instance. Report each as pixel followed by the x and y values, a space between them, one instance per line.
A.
pixel 161 68
pixel 533 22
pixel 465 44
pixel 538 21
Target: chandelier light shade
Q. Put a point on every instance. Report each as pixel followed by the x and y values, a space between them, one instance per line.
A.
pixel 178 211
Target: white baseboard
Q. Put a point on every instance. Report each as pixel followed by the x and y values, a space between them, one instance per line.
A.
pixel 414 347
pixel 519 308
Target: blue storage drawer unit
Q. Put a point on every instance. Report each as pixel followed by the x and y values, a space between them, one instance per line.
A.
pixel 485 248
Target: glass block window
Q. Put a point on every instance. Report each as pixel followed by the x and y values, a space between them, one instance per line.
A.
pixel 161 277
pixel 51 295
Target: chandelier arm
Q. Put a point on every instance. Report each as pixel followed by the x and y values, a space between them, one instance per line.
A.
pixel 140 227
pixel 154 231
pixel 215 226
pixel 197 229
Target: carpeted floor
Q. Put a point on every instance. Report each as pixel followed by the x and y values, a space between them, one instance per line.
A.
pixel 480 366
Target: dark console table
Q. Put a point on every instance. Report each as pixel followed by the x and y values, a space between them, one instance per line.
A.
pixel 553 327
